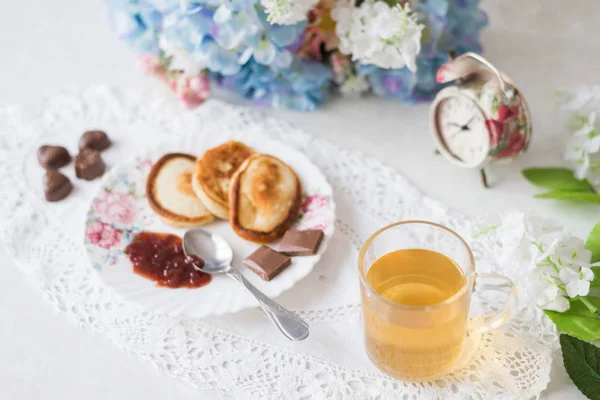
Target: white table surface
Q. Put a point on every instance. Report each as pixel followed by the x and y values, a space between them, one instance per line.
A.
pixel 49 45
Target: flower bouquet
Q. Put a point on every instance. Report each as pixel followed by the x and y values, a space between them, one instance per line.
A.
pixel 560 273
pixel 289 53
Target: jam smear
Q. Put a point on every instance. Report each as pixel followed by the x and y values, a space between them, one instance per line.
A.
pixel 160 258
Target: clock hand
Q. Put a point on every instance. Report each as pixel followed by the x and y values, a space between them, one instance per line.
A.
pixel 458 132
pixel 466 126
pixel 455 124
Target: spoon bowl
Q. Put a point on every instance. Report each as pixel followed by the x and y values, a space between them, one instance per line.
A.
pixel 212 248
pixel 217 255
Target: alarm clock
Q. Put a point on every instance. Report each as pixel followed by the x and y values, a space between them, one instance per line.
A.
pixel 480 119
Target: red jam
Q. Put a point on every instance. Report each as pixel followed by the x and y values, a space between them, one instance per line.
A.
pixel 160 258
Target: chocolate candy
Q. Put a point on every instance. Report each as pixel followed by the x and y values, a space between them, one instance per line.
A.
pixel 56 186
pixel 95 140
pixel 301 243
pixel 267 263
pixel 89 164
pixel 53 157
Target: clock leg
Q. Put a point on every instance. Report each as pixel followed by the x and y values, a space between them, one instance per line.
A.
pixel 484 180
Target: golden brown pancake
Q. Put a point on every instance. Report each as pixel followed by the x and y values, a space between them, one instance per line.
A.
pixel 170 194
pixel 264 199
pixel 213 174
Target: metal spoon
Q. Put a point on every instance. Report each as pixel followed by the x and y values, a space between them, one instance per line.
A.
pixel 217 256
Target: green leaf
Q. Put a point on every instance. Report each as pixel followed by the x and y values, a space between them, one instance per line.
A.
pixel 556 178
pixel 572 195
pixel 578 321
pixel 582 362
pixel 593 243
pixel 596 282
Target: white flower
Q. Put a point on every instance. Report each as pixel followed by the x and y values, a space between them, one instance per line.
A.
pixel 536 227
pixel 287 12
pixel 580 97
pixel 354 86
pixel 377 33
pixel 547 264
pixel 577 282
pixel 552 298
pixel 520 242
pixel 583 149
pixel 571 252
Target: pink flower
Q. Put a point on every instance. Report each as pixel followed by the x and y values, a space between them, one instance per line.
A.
pixel 495 130
pixel 149 64
pixel 115 208
pixel 515 143
pixel 319 33
pixel 102 235
pixel 192 90
pixel 314 202
pixel 507 113
pixel 200 86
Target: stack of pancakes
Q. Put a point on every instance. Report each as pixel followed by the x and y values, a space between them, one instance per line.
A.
pixel 259 194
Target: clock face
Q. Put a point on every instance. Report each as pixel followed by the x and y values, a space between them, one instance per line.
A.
pixel 461 128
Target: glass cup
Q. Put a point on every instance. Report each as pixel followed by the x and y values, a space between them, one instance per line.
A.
pixel 419 343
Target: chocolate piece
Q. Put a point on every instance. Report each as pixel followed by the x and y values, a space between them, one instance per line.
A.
pixel 95 140
pixel 89 164
pixel 301 243
pixel 56 186
pixel 53 157
pixel 267 263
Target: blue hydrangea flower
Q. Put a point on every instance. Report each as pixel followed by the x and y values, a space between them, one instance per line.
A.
pixel 301 87
pixel 225 38
pixel 245 26
pixel 138 23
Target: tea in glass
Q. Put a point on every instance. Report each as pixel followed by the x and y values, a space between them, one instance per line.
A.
pixel 416 277
pixel 416 282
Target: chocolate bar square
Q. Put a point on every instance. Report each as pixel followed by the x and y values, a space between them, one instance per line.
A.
pixel 301 243
pixel 267 263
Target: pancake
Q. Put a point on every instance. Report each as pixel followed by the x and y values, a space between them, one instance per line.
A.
pixel 170 194
pixel 264 199
pixel 213 174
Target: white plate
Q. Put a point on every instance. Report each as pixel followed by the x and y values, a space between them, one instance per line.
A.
pixel 120 210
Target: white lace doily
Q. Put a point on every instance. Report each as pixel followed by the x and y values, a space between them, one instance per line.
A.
pixel 241 354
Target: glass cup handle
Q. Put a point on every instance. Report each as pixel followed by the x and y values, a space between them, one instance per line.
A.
pixel 495 319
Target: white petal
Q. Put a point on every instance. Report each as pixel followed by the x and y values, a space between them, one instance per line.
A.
pixel 551 292
pixel 583 257
pixel 572 289
pixel 568 275
pixel 593 144
pixel 560 304
pixel 583 288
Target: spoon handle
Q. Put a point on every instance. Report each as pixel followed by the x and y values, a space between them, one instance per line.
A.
pixel 288 323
